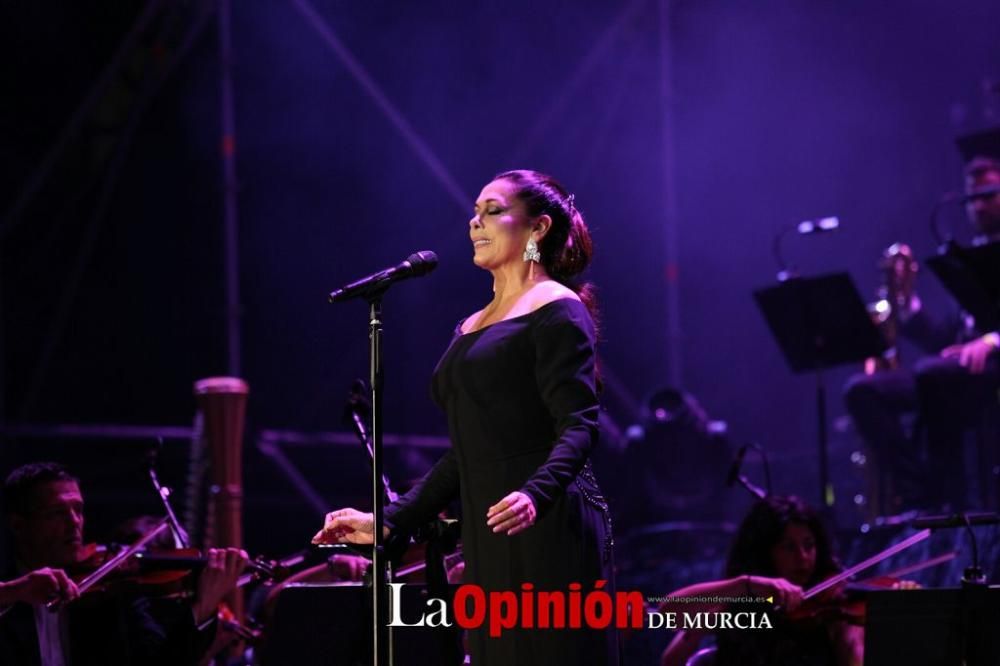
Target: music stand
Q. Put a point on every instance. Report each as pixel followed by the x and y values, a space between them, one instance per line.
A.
pixel 972 276
pixel 820 323
pixel 933 627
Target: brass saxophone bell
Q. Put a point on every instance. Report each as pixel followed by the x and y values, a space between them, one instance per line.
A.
pixel 899 270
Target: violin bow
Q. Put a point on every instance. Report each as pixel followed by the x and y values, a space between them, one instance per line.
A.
pixel 115 561
pixel 867 564
pixel 919 566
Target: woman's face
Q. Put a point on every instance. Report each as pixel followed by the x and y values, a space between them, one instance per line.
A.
pixel 794 556
pixel 500 227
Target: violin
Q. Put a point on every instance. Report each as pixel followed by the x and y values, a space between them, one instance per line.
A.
pixel 95 565
pixel 836 600
pixel 844 604
pixel 160 573
pixel 165 565
pixel 99 565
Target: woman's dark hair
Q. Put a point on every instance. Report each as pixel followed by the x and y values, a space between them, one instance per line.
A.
pixel 566 249
pixel 761 530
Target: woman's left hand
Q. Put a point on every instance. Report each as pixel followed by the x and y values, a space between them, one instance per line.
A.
pixel 514 513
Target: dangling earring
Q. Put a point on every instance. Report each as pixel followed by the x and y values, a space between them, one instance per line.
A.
pixel 533 256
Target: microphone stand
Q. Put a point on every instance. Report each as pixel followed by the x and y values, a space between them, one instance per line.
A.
pixel 440 536
pixel 372 288
pixel 353 414
pixel 736 476
pixel 974 603
pixel 974 597
pixel 382 652
pixel 754 490
pixel 181 539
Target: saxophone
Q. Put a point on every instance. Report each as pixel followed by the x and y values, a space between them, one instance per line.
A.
pixel 899 272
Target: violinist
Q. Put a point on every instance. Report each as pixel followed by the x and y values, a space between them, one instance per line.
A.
pixel 780 549
pixel 44 508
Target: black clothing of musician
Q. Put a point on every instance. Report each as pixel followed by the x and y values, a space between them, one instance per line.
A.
pixel 111 630
pixel 949 390
pixel 948 398
pixel 522 412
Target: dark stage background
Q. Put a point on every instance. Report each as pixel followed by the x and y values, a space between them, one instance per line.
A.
pixel 691 132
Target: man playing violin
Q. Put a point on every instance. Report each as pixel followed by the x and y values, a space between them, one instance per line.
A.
pixel 44 509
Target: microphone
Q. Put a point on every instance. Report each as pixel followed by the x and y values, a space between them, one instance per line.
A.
pixel 417 264
pixel 955 520
pixel 734 469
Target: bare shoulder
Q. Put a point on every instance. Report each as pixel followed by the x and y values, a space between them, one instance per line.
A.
pixel 549 291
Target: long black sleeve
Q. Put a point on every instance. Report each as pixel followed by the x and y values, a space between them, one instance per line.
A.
pixel 565 372
pixel 431 494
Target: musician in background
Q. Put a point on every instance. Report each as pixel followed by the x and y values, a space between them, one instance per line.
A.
pixel 780 549
pixel 44 509
pixel 951 387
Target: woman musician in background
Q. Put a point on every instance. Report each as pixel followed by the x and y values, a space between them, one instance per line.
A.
pixel 780 549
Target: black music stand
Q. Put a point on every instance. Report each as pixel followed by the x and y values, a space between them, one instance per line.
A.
pixel 820 323
pixel 972 276
pixel 933 627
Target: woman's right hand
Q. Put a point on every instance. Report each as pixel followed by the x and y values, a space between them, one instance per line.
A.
pixel 786 595
pixel 348 526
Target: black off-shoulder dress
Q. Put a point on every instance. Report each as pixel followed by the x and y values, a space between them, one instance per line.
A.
pixel 522 411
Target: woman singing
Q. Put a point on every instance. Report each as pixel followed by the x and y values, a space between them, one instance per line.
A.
pixel 518 386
